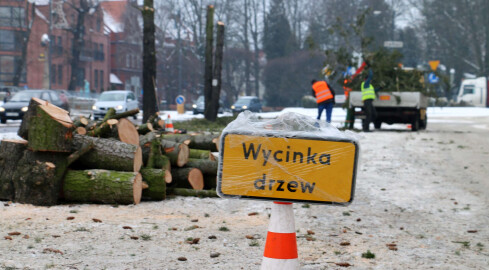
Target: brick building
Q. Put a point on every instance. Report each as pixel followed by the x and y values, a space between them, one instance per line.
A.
pixel 42 68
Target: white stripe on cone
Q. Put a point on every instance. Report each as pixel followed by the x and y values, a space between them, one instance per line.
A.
pixel 281 221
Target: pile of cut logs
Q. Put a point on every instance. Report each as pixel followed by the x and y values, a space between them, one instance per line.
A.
pixel 109 161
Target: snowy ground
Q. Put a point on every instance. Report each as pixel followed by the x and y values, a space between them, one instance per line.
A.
pixel 427 192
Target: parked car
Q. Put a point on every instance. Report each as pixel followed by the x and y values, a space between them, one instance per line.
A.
pixel 251 103
pixel 6 93
pixel 199 106
pixel 121 101
pixel 18 104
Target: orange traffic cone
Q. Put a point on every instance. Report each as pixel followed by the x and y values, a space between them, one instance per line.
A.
pixel 169 125
pixel 281 244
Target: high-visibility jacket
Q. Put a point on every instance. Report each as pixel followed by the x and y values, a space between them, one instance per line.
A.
pixel 368 93
pixel 322 91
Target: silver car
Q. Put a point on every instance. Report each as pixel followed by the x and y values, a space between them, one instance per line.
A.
pixel 121 101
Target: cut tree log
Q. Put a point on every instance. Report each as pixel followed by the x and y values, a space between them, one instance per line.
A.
pixel 201 154
pixel 81 130
pixel 210 181
pixel 104 130
pixel 207 166
pixel 187 178
pixel 145 128
pixel 192 192
pixel 103 186
pixel 125 114
pixel 206 141
pixel 80 121
pixel 127 132
pixel 32 111
pixel 50 129
pixel 39 175
pixel 108 154
pixel 177 152
pixel 156 180
pixel 11 151
pixel 180 138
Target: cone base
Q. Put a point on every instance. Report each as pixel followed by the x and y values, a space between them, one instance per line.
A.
pixel 279 264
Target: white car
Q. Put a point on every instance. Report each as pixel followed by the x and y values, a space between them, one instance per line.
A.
pixel 121 101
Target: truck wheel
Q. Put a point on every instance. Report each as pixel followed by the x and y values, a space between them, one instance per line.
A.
pixel 377 124
pixel 415 124
pixel 423 123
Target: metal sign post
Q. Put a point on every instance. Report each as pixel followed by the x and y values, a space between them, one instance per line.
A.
pixel 180 100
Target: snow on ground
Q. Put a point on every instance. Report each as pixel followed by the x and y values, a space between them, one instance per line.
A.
pixel 426 192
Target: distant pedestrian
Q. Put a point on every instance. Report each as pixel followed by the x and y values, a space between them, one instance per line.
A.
pixel 368 97
pixel 324 95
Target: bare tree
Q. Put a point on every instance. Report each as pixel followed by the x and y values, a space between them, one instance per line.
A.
pixel 25 36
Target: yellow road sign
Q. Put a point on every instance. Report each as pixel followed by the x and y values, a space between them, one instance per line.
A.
pixel 289 169
pixel 434 64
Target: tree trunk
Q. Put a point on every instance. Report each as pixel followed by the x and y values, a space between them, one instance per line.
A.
pixel 50 129
pixel 209 40
pixel 103 186
pixel 11 151
pixel 109 154
pixel 156 180
pixel 78 43
pixel 207 166
pixel 178 153
pixel 187 178
pixel 193 192
pixel 150 106
pixel 216 89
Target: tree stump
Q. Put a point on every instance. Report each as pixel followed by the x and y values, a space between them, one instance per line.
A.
pixel 50 129
pixel 108 154
pixel 11 151
pixel 103 186
pixel 32 111
pixel 187 178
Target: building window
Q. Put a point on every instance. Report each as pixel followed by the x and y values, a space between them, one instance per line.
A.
pixel 128 60
pixel 10 40
pixel 102 80
pixel 12 16
pixel 60 74
pixel 53 74
pixel 95 75
pixel 99 24
pixel 8 66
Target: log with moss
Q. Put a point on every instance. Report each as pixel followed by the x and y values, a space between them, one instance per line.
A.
pixel 180 138
pixel 80 121
pixel 207 166
pixel 102 186
pixel 104 130
pixel 32 111
pixel 187 178
pixel 156 180
pixel 50 129
pixel 205 141
pixel 178 153
pixel 11 151
pixel 201 154
pixel 192 192
pixel 38 176
pixel 108 154
pixel 145 128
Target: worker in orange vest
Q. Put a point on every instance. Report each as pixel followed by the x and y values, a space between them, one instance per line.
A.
pixel 324 95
